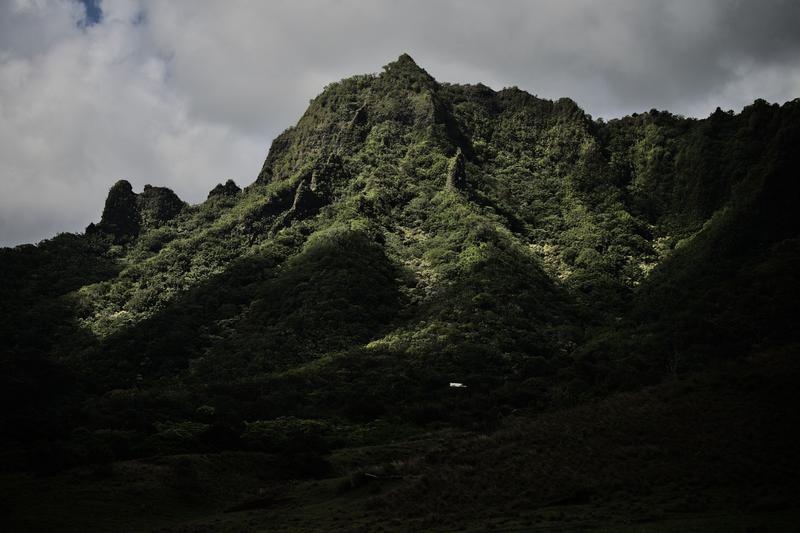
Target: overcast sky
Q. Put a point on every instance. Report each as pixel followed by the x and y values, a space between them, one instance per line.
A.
pixel 189 93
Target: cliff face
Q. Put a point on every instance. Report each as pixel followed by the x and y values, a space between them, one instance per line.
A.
pixel 456 172
pixel 120 213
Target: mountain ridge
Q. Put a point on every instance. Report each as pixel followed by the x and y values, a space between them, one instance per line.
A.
pixel 542 185
pixel 403 235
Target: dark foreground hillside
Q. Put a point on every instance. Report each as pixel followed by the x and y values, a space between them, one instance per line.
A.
pixel 619 299
pixel 706 453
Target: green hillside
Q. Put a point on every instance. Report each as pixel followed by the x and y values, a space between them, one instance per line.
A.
pixel 589 282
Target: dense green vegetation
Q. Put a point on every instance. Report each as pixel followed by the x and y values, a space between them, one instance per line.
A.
pixel 406 234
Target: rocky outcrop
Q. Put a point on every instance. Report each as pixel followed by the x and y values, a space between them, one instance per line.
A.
pixel 157 206
pixel 327 177
pixel 120 217
pixel 306 201
pixel 357 129
pixel 229 189
pixel 360 118
pixel 457 173
pixel 315 189
pixel 258 221
pixel 280 145
pixel 126 213
pixel 405 72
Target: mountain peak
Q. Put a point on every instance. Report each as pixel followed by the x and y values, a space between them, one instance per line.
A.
pixel 127 213
pixel 121 186
pixel 406 59
pixel 406 67
pixel 405 62
pixel 228 189
pixel 120 214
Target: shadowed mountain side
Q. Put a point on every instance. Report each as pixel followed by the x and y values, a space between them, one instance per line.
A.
pixel 647 461
pixel 39 393
pixel 39 278
pixel 267 311
pixel 644 457
pixel 732 288
pixel 267 314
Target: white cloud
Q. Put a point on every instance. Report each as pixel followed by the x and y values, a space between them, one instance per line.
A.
pixel 93 107
pixel 188 93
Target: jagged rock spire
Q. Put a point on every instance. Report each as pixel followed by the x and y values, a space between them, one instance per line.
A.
pixel 126 213
pixel 407 69
pixel 120 214
pixel 456 172
pixel 229 189
pixel 157 205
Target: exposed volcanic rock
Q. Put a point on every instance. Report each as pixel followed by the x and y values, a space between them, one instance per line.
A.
pixel 228 189
pixel 120 214
pixel 126 213
pixel 158 205
pixel 456 172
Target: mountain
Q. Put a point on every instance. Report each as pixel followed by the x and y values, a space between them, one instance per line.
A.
pixel 592 284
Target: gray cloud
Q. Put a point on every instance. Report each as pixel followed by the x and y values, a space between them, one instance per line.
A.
pixel 188 93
